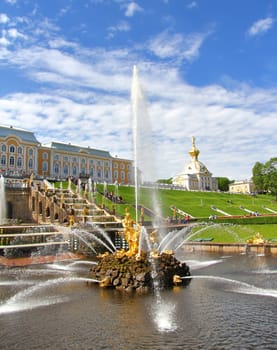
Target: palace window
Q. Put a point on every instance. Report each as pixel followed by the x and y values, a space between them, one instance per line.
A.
pixel 31 152
pixel 30 163
pixel 19 162
pixel 4 148
pixel 12 161
pixel 45 155
pixel 44 166
pixel 56 169
pixel 3 160
pixel 65 170
pixel 116 175
pixel 106 174
pixel 74 171
pixel 122 175
pixel 12 149
pixel 99 173
pixel 19 150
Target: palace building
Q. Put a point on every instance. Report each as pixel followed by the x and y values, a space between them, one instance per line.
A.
pixel 22 154
pixel 195 175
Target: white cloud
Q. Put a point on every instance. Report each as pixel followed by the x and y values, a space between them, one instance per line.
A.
pixel 192 5
pixel 4 41
pixel 12 2
pixel 4 18
pixel 261 26
pixel 177 46
pixel 61 43
pixel 122 26
pixel 14 33
pixel 132 8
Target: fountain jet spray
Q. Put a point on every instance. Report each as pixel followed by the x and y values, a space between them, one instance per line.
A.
pixel 144 167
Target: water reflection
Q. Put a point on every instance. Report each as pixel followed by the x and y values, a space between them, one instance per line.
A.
pixel 230 303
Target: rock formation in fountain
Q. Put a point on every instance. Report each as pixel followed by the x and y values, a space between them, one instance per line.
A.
pixel 139 270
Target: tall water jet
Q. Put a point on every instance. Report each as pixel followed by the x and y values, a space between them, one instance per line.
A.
pixel 144 162
pixel 3 209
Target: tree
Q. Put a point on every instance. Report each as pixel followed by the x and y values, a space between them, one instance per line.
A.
pixel 223 184
pixel 165 181
pixel 258 176
pixel 270 176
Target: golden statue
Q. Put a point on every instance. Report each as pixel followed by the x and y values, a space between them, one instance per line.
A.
pixel 131 233
pixel 257 239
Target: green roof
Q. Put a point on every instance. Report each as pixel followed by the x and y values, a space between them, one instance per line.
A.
pixel 24 135
pixel 67 147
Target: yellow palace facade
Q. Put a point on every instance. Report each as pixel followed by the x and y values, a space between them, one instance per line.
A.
pixel 22 154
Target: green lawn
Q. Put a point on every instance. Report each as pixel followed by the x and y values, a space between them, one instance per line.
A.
pixel 198 205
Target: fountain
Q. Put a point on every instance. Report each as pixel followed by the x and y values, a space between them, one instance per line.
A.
pixel 140 269
pixel 230 304
pixel 2 201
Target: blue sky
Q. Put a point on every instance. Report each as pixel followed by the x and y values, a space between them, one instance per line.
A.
pixel 208 69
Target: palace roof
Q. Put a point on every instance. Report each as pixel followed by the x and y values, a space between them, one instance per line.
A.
pixel 24 135
pixel 69 148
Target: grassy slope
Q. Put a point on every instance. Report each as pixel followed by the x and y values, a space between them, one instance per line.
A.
pixel 198 204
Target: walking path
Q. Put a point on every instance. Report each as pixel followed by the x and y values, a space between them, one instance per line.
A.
pixel 48 259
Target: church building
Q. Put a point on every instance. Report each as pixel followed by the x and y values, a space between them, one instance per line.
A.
pixel 195 175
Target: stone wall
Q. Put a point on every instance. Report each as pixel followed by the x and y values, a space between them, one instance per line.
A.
pixel 231 248
pixel 17 200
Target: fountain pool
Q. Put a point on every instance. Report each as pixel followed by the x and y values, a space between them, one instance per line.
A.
pixel 229 304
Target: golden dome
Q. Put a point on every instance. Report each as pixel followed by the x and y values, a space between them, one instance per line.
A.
pixel 194 152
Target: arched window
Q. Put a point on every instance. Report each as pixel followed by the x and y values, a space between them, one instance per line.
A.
pixel 4 148
pixel 31 152
pixel 45 155
pixel 3 160
pixel 65 170
pixel 12 149
pixel 19 150
pixel 99 173
pixel 91 172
